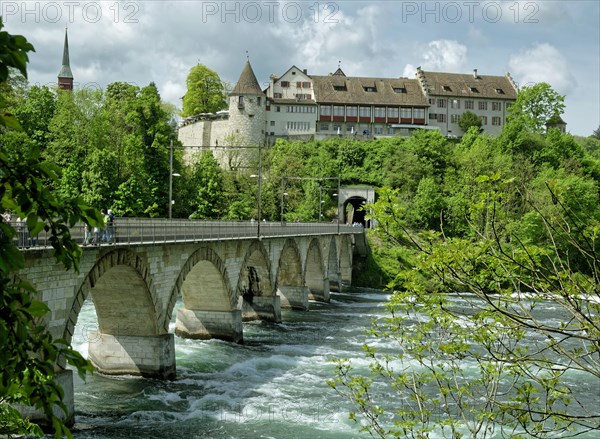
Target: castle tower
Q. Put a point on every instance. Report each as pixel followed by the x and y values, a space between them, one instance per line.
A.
pixel 247 106
pixel 65 76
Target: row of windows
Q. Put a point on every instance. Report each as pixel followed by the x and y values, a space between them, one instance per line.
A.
pixel 360 129
pixel 300 109
pixel 297 126
pixel 496 120
pixel 353 111
pixel 299 84
pixel 468 103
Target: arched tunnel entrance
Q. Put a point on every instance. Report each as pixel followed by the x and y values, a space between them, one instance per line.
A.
pixel 353 201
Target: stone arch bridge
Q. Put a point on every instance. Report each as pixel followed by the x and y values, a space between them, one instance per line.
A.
pixel 225 273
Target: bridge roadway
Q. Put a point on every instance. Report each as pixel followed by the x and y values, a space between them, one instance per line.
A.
pixel 224 272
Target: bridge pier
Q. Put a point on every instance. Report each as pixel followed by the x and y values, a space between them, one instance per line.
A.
pixel 149 356
pixel 205 325
pixel 335 283
pixel 294 297
pixel 266 308
pixel 320 293
pixel 64 378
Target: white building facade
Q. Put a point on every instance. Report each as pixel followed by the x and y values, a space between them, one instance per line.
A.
pixel 297 105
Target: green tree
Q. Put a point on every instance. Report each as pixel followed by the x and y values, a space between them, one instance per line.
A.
pixel 467 120
pixel 535 105
pixel 467 347
pixel 29 355
pixel 208 181
pixel 205 92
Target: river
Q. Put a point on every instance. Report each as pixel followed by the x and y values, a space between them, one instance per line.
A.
pixel 272 386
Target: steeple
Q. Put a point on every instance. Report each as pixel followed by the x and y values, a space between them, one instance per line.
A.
pixel 247 84
pixel 65 76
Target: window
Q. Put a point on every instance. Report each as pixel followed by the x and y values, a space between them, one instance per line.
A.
pixel 406 113
pixel 306 85
pixel 390 131
pixel 399 89
pixel 419 113
pixel 272 123
pixel 431 101
pixel 392 112
pixel 441 118
pixel 350 128
pixel 300 109
pixel 483 120
pixel 378 130
pixel 324 126
pixel 469 105
pixel 447 88
pixel 278 109
pixel 365 111
pixel 325 110
pixel 369 89
pixel 455 103
pixel 496 106
pixel 351 111
pixel 299 84
pixel 379 111
pixel 474 89
pixel 258 100
pixel 441 103
pixel 482 105
pixel 432 116
pixel 340 88
pixel 508 105
pixel 499 91
pixel 338 110
pixel 303 96
pixel 285 84
pixel 496 121
pixel 337 128
pixel 454 118
pixel 278 95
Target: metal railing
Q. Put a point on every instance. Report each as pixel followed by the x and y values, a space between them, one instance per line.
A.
pixel 128 231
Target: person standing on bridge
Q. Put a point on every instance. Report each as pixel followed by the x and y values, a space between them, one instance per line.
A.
pixel 110 226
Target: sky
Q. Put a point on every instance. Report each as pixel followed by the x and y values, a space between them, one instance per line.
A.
pixel 159 41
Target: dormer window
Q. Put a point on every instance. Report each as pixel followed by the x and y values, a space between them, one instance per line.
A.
pixel 369 89
pixel 340 88
pixel 447 88
pixel 399 89
pixel 499 91
pixel 474 89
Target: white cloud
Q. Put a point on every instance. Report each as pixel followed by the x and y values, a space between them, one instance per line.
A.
pixel 440 55
pixel 542 63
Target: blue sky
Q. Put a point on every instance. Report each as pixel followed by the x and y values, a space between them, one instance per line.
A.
pixel 139 42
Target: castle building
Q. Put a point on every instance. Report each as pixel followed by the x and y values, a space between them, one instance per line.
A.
pixel 65 76
pixel 450 95
pixel 297 105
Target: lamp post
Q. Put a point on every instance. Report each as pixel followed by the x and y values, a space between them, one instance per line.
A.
pixel 171 175
pixel 259 190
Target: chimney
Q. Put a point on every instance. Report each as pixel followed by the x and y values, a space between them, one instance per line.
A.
pixel 304 71
pixel 475 73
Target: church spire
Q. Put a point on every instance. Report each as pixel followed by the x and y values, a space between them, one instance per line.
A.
pixel 65 76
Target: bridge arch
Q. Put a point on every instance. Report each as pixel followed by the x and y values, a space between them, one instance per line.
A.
pixel 118 268
pixel 126 342
pixel 333 267
pixel 209 303
pixel 314 272
pixel 255 288
pixel 289 280
pixel 345 260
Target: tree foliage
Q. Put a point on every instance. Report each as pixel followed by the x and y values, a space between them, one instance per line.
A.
pixel 28 353
pixel 467 120
pixel 536 105
pixel 205 92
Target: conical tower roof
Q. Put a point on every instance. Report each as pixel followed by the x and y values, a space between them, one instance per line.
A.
pixel 65 71
pixel 247 84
